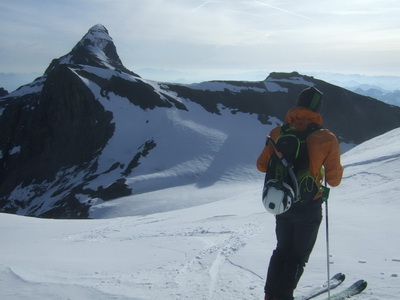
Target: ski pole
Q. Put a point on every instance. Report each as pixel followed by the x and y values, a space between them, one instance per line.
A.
pixel 325 197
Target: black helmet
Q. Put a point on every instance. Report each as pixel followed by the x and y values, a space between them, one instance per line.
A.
pixel 310 98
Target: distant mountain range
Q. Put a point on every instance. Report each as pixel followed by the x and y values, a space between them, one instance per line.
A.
pixel 378 93
pixel 89 130
pixel 387 86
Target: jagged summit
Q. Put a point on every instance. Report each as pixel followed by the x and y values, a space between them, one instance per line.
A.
pixel 97 49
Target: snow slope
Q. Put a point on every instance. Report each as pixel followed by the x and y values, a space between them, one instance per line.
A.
pixel 217 250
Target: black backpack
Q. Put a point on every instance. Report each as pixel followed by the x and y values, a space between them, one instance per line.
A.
pixel 290 163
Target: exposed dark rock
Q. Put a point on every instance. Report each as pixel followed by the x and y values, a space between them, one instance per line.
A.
pixel 115 190
pixel 135 161
pixel 63 127
pixel 3 92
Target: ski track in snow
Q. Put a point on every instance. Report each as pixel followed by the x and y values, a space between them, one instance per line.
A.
pixel 204 275
pixel 206 271
pixel 184 258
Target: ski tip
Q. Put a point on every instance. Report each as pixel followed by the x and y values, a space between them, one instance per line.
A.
pixel 339 276
pixel 362 284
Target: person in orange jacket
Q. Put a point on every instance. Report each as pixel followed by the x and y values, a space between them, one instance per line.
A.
pixel 297 228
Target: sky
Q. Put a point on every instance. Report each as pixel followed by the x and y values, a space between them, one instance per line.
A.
pixel 208 39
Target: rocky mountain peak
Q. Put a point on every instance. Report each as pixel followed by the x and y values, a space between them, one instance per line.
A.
pixel 97 49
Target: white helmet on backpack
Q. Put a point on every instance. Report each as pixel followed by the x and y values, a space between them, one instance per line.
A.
pixel 278 196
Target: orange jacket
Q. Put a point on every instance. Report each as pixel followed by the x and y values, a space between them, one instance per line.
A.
pixel 323 147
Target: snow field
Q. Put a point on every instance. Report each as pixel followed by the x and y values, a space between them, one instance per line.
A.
pixel 216 250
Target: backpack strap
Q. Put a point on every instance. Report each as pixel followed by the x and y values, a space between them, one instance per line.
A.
pixel 311 128
pixel 286 165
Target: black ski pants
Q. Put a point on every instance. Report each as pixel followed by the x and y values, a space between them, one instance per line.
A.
pixel 296 232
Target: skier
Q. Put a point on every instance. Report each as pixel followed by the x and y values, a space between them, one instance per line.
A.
pixel 297 229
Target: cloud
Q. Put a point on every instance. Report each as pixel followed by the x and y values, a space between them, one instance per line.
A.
pixel 208 34
pixel 286 11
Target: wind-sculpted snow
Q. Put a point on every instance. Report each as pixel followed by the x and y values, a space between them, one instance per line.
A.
pixel 373 165
pixel 388 144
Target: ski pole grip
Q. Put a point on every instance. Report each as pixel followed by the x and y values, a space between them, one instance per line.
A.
pixel 325 193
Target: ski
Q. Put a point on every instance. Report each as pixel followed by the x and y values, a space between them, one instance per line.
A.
pixel 352 290
pixel 335 281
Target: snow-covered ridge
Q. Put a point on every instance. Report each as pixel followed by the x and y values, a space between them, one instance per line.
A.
pixel 272 84
pixel 32 88
pixel 387 144
pixel 217 86
pixel 294 80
